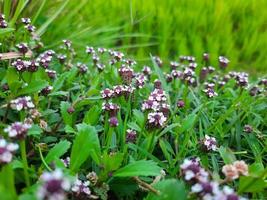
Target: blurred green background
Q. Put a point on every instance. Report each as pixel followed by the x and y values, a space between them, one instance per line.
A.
pixel 168 28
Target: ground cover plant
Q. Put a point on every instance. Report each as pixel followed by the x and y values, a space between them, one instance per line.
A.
pixel 97 125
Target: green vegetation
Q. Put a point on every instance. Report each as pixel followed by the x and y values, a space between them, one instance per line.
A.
pixel 87 111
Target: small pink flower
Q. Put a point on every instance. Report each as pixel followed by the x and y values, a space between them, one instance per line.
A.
pixel 230 172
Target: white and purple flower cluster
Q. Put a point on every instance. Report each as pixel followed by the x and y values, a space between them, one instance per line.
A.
pixel 45 58
pixel 21 65
pixel 28 25
pixel 17 130
pixel 209 143
pixel 131 135
pixel 6 151
pixel 3 23
pixel 201 185
pixel 54 186
pixel 22 47
pixel 81 189
pixel 22 103
pixel 157 106
pixel 126 74
pixel 118 90
pixel 82 67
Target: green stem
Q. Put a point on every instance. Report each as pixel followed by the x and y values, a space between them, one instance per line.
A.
pixel 25 162
pixel 43 160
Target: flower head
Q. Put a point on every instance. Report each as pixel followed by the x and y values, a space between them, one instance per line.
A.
pixel 22 103
pixel 81 188
pixel 17 130
pixel 130 135
pixel 209 143
pixel 156 119
pixel 230 172
pixel 6 151
pixel 53 186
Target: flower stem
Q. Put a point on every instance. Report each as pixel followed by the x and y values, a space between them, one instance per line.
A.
pixel 25 162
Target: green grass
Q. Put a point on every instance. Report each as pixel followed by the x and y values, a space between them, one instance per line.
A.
pixel 234 28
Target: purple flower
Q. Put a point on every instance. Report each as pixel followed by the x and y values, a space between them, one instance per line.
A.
pixel 90 50
pixel 111 108
pixel 223 61
pixel 33 66
pixel 131 135
pixel 53 186
pixel 174 65
pixel 156 119
pixel 210 92
pixel 206 57
pixel 22 47
pixel 157 84
pixel 22 103
pixel 81 189
pixel 21 65
pixel 67 43
pixel 51 73
pixel 61 58
pixel 248 128
pixel 26 20
pixel 180 104
pixel 192 171
pixel 30 28
pixel 113 121
pixel 126 74
pixel 82 68
pixel 17 130
pixel 158 60
pixel 107 93
pixel 6 151
pixel 146 71
pixel 45 91
pixel 140 80
pixel 209 143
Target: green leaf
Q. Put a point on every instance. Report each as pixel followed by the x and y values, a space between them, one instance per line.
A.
pixel 7 184
pixel 188 123
pixel 34 86
pixel 92 116
pixel 251 184
pixel 139 116
pixel 4 31
pixel 67 117
pixel 86 143
pixel 57 151
pixel 256 169
pixel 35 130
pixel 139 168
pixel 170 189
pixel 227 155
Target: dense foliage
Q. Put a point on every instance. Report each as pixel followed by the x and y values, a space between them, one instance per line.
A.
pixel 108 128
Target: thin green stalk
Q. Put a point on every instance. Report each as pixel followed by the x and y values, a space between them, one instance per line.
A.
pixel 25 162
pixel 43 160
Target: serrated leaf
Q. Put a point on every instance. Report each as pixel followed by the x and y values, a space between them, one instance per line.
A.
pixel 92 116
pixel 57 151
pixel 139 168
pixel 86 143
